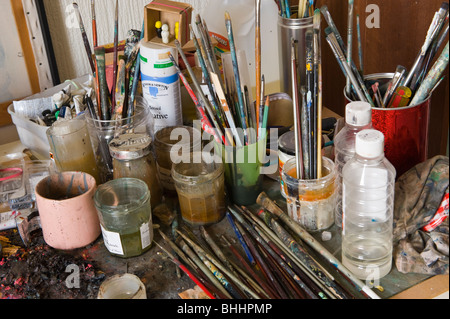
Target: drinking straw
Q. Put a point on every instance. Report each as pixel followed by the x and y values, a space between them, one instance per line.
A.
pixel 297 114
pixel 87 46
pixel 349 41
pixel 186 271
pixel 234 61
pixel 268 204
pixel 115 58
pixel 432 78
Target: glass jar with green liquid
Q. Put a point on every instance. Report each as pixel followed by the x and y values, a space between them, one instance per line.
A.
pixel 124 210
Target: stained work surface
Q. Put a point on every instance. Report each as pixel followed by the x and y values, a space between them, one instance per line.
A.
pixel 39 271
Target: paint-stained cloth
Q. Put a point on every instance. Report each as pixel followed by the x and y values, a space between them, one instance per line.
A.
pixel 420 194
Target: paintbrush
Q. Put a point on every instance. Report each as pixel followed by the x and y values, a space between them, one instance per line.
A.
pixel 186 271
pixel 87 46
pixel 268 204
pixel 301 257
pixel 207 77
pixel 258 54
pixel 433 30
pixel 262 264
pixel 349 41
pixel 305 115
pixel 253 276
pixel 203 98
pixel 115 58
pixel 432 77
pixel 272 253
pixel 137 74
pixel 311 102
pixel 297 113
pixel 218 264
pixel 318 92
pixel 332 41
pixel 237 78
pixel 360 50
pixel 105 114
pixel 191 93
pixel 394 84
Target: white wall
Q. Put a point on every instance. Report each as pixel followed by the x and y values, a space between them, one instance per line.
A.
pixel 71 56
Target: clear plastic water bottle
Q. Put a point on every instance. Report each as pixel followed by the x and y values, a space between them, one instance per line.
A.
pixel 368 202
pixel 358 117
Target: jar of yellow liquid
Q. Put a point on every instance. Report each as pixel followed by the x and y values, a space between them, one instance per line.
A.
pixel 71 148
pixel 132 157
pixel 201 191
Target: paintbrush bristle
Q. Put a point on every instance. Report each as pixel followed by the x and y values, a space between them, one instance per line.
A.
pixel 316 19
pixel 227 16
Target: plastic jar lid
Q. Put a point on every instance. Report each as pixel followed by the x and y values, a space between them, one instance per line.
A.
pixel 369 143
pixel 286 143
pixel 358 113
pixel 130 146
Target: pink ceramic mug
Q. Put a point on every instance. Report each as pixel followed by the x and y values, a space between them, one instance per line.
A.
pixel 66 207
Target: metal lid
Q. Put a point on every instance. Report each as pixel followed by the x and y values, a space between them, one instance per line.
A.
pixel 130 146
pixel 286 143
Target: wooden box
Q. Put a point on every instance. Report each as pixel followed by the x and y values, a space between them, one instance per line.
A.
pixel 168 12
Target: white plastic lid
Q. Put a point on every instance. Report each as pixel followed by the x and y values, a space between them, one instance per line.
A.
pixel 369 143
pixel 358 113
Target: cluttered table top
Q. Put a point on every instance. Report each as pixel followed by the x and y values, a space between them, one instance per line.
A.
pixel 39 271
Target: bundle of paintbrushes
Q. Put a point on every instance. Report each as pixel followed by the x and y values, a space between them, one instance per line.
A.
pixel 119 102
pixel 224 103
pixel 304 9
pixel 307 104
pixel 259 259
pixel 405 88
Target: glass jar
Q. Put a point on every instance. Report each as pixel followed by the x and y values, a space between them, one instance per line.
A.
pixel 132 157
pixel 186 139
pixel 124 210
pixel 201 191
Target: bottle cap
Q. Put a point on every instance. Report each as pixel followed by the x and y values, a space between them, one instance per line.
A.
pixel 358 113
pixel 369 143
pixel 130 146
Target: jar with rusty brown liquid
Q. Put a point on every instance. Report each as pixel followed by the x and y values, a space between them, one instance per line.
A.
pixel 132 157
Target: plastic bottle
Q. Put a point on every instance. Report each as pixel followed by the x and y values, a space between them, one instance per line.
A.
pixel 368 202
pixel 358 116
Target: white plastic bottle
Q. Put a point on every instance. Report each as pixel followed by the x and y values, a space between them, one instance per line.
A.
pixel 358 117
pixel 368 202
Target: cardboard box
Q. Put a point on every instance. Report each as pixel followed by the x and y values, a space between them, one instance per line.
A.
pixel 168 12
